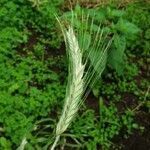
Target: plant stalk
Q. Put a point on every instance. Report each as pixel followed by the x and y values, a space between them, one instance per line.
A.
pixel 55 142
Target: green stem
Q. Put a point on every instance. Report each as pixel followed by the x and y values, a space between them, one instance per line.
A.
pixel 55 143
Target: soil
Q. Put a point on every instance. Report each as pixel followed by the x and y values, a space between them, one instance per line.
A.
pixel 129 101
pixel 92 103
pixel 138 140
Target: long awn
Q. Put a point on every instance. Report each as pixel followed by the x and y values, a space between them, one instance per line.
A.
pixel 87 61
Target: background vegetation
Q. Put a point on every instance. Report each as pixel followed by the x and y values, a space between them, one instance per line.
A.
pixel 33 75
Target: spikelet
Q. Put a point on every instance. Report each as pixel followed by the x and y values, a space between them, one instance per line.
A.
pixel 85 67
pixel 73 96
pixel 75 90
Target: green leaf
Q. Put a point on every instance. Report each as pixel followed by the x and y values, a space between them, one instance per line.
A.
pixel 3 141
pixel 99 15
pixel 5 144
pixel 126 27
pixel 85 41
pixel 113 13
pixel 116 59
pixel 147 34
pixel 95 91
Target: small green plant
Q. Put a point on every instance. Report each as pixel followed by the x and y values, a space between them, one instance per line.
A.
pixel 90 131
pixel 5 144
pixel 109 124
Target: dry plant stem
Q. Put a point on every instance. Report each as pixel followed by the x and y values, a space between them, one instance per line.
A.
pixel 75 84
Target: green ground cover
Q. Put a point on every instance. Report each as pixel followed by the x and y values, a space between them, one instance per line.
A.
pixel 33 76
